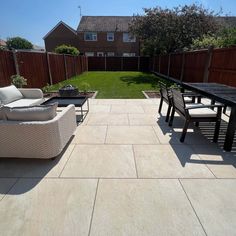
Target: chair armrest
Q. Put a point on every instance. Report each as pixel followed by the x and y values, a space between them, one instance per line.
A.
pixel 31 93
pixel 203 106
pixel 191 95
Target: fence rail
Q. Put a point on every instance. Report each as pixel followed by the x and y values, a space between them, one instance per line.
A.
pixel 39 68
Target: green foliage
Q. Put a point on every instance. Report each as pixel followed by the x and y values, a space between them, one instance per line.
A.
pixel 18 43
pixel 18 81
pixel 85 87
pixel 46 88
pixel 2 48
pixel 67 49
pixel 163 30
pixel 228 37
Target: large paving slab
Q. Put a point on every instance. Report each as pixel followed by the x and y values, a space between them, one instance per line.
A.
pixel 165 161
pixel 39 168
pixel 108 119
pixel 142 119
pixel 101 161
pixel 100 109
pixel 90 134
pixel 48 207
pixel 143 207
pixel 214 203
pixel 131 135
pixel 5 186
pixel 127 109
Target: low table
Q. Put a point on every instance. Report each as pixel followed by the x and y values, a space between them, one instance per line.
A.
pixel 77 101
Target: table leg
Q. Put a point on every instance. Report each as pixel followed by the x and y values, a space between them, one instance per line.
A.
pixel 230 130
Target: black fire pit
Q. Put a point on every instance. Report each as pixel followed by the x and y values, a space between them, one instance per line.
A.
pixel 68 91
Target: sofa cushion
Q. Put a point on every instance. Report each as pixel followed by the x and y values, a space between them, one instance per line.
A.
pixel 25 102
pixel 31 113
pixel 9 94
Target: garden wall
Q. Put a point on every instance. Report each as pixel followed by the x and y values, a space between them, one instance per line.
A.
pixel 39 68
pixel 213 65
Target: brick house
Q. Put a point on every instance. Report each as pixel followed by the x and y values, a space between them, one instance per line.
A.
pixel 96 36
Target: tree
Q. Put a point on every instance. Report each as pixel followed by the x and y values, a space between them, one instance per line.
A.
pixel 168 30
pixel 67 49
pixel 18 43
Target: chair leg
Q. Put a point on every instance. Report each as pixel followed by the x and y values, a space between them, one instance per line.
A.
pixel 197 124
pixel 168 113
pixel 160 106
pixel 172 116
pixel 224 110
pixel 184 131
pixel 217 131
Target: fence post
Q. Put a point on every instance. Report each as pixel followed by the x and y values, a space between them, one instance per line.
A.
pixel 64 57
pixel 182 67
pixel 208 64
pixel 16 62
pixel 168 70
pixel 105 61
pixel 139 63
pixel 122 62
pixel 49 69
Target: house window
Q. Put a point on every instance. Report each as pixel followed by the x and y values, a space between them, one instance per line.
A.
pixel 129 54
pixel 89 54
pixel 110 54
pixel 110 36
pixel 127 37
pixel 100 54
pixel 90 36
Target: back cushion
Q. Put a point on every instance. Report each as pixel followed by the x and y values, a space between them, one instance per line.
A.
pixel 31 113
pixel 9 94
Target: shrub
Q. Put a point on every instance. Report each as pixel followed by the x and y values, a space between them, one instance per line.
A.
pixel 67 49
pixel 84 86
pixel 18 81
pixel 18 43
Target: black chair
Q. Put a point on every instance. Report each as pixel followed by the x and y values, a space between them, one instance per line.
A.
pixel 195 113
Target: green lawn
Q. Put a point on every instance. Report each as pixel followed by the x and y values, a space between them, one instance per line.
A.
pixel 114 84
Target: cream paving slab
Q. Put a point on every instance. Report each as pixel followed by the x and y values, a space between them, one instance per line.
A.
pixel 151 108
pixel 90 134
pixel 143 207
pixel 10 167
pixel 108 119
pixel 165 161
pixel 101 161
pixel 93 101
pixel 214 203
pixel 5 186
pixel 127 109
pixel 142 119
pixel 138 101
pixel 222 164
pixel 100 109
pixel 131 135
pixel 48 207
pixel 111 101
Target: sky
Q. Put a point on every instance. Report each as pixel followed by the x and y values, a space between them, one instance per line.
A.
pixel 33 19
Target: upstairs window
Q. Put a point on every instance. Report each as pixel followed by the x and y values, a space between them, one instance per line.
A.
pixel 110 36
pixel 127 37
pixel 90 36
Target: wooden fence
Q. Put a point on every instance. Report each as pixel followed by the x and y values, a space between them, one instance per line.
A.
pixel 213 65
pixel 39 68
pixel 118 64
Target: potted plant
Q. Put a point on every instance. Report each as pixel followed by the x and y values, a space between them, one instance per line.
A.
pixel 18 81
pixel 84 87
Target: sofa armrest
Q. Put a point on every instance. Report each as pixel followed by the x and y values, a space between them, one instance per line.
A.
pixel 31 92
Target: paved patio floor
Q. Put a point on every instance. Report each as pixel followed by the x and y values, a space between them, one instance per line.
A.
pixel 124 173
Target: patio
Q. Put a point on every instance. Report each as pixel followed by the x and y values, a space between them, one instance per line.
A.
pixel 124 173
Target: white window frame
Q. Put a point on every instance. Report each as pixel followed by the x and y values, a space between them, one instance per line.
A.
pixel 110 54
pixel 89 54
pixel 94 36
pixel 128 38
pixel 110 36
pixel 101 54
pixel 129 54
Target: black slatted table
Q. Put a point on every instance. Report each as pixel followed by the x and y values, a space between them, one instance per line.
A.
pixel 223 94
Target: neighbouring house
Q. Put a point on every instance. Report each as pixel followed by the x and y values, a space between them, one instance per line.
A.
pixel 3 43
pixel 96 36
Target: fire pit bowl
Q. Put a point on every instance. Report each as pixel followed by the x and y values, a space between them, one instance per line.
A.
pixel 68 91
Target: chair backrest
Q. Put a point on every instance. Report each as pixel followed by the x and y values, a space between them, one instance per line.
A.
pixel 178 100
pixel 164 91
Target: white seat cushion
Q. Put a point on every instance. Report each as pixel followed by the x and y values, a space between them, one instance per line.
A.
pixel 202 112
pixel 188 99
pixel 9 94
pixel 25 102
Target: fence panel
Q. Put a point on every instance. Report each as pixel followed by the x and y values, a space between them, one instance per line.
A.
pixel 57 66
pixel 164 64
pixel 33 66
pixel 114 63
pixel 130 63
pixel 70 66
pixel 176 61
pixel 223 66
pixel 7 68
pixel 144 64
pixel 194 66
pixel 96 63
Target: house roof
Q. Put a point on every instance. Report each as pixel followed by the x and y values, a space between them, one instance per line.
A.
pixel 2 42
pixel 104 23
pixel 60 23
pixel 229 21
